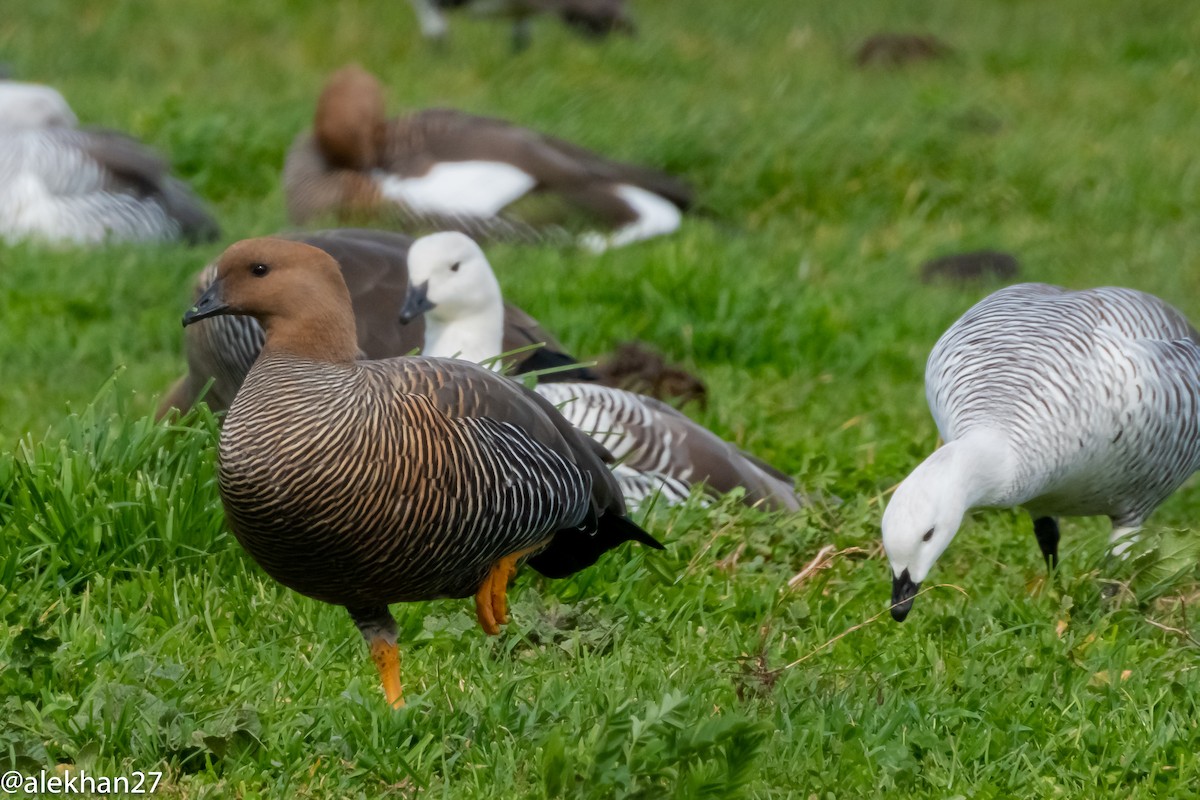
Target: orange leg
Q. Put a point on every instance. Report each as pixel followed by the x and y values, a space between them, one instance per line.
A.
pixel 491 601
pixel 386 656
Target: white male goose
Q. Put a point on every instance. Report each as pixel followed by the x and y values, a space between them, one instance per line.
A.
pixel 590 18
pixel 61 183
pixel 454 170
pixel 374 266
pixel 453 284
pixel 1067 403
pixel 364 483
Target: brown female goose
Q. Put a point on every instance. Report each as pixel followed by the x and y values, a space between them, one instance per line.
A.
pixel 374 265
pixel 365 483
pixel 452 170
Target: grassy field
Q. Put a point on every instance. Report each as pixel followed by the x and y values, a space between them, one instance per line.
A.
pixel 137 635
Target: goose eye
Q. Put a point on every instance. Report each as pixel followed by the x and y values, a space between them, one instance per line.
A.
pixel 928 535
pixel 259 270
pixel 454 267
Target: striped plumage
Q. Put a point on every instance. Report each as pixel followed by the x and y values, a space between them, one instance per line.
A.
pixel 363 483
pixel 374 265
pixel 446 169
pixel 646 436
pixel 387 497
pixel 60 183
pixel 658 445
pixel 1067 403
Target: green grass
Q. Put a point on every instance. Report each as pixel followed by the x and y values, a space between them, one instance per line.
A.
pixel 137 635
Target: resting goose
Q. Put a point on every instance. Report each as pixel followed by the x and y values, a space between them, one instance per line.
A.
pixel 453 283
pixel 62 183
pixel 1067 403
pixel 364 483
pixel 374 266
pixel 591 18
pixel 453 170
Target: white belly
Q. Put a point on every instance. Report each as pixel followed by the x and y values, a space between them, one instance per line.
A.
pixel 474 188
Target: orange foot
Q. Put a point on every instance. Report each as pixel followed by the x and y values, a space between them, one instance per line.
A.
pixel 386 656
pixel 491 601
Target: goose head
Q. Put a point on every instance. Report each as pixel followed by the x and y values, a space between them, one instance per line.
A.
pixel 928 507
pixel 452 284
pixel 351 118
pixel 295 291
pixel 30 106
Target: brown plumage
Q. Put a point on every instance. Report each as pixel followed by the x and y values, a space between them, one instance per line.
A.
pixel 357 165
pixel 895 50
pixel 219 351
pixel 365 483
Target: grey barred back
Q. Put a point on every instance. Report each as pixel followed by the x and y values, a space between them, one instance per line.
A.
pixel 398 480
pixel 89 186
pixel 650 437
pixel 1098 391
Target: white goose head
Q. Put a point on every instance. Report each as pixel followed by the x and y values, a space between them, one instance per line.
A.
pixel 927 509
pixel 30 106
pixel 452 283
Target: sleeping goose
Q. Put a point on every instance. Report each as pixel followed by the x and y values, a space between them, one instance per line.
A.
pixel 591 18
pixel 374 266
pixel 1067 403
pixel 364 483
pixel 453 284
pixel 61 183
pixel 453 170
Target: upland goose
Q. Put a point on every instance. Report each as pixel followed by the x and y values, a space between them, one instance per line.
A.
pixel 453 283
pixel 452 170
pixel 62 183
pixel 590 18
pixel 374 264
pixel 1067 403
pixel 363 483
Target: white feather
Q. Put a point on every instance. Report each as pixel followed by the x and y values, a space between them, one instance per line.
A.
pixel 474 188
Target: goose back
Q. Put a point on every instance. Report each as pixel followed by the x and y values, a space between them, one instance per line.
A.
pixel 1096 391
pixel 87 186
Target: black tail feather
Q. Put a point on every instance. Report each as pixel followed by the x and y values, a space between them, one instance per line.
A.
pixel 575 549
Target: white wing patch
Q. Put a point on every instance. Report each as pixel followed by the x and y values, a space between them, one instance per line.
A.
pixel 657 216
pixel 475 188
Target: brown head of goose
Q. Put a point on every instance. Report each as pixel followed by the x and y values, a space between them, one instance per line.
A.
pixel 62 183
pixel 451 170
pixel 374 265
pixel 462 319
pixel 364 483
